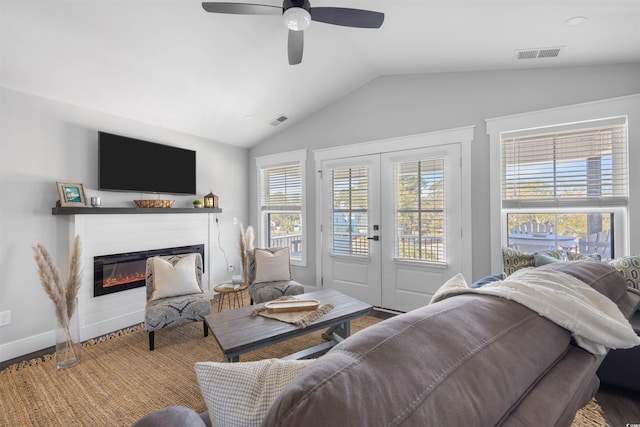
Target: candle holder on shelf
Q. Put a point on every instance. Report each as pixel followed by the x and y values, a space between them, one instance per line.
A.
pixel 210 201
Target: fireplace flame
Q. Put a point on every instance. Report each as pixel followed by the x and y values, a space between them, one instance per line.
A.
pixel 115 281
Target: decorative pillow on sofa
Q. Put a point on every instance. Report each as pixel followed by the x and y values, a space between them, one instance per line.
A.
pixel 171 280
pixel 514 260
pixel 271 265
pixel 240 394
pixel 629 267
pixel 573 256
pixel 486 280
pixel 542 258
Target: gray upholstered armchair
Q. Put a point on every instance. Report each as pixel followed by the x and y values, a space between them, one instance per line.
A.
pixel 174 293
pixel 270 275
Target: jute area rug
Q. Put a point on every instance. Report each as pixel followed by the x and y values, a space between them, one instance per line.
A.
pixel 119 380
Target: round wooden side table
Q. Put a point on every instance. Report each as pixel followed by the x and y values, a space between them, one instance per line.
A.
pixel 230 292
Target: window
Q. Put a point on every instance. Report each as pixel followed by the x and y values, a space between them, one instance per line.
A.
pixel 562 187
pixel 281 201
pixel 350 210
pixel 419 210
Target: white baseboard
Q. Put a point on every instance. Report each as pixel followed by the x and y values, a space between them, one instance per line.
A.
pixel 44 340
pixel 24 346
pixel 111 325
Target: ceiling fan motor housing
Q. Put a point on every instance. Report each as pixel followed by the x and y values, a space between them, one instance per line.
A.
pixel 303 4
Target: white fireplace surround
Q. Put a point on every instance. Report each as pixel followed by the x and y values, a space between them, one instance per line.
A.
pixel 113 234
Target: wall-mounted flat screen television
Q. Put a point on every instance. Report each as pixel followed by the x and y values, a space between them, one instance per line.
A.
pixel 129 164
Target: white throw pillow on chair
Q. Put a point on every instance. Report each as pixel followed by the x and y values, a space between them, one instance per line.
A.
pixel 174 280
pixel 272 265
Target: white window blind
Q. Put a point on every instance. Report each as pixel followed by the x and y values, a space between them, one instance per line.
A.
pixel 572 168
pixel 420 210
pixel 281 188
pixel 350 206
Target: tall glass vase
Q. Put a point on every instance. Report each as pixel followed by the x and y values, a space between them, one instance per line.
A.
pixel 68 342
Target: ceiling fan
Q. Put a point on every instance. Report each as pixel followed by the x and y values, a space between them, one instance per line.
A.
pixel 298 14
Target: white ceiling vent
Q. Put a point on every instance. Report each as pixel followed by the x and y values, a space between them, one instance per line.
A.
pixel 541 52
pixel 279 120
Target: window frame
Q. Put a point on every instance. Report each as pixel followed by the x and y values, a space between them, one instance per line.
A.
pixel 615 204
pixel 441 160
pixel 298 157
pixel 569 116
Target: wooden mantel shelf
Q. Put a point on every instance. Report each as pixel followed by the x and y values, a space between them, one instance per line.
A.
pixel 129 211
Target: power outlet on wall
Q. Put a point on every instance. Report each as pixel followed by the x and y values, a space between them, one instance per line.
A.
pixel 5 318
pixel 231 268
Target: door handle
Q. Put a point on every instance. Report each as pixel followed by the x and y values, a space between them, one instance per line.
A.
pixel 376 238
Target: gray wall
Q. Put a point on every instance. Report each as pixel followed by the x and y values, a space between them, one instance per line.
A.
pixel 44 141
pixel 393 106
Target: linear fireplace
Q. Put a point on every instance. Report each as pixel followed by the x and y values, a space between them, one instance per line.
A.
pixel 120 272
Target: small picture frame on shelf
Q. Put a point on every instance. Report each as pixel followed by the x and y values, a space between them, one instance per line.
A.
pixel 71 194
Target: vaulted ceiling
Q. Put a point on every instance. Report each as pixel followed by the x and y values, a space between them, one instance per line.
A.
pixel 226 77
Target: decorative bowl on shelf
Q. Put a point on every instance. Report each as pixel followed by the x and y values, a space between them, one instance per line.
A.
pixel 154 203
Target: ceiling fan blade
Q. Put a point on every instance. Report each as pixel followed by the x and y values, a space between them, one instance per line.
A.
pixel 242 8
pixel 296 46
pixel 347 17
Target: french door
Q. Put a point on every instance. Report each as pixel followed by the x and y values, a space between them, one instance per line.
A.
pixel 351 215
pixel 391 225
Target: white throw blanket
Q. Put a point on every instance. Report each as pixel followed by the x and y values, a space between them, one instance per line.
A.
pixel 594 320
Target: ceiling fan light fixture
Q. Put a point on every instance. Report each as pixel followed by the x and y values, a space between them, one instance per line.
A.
pixel 297 18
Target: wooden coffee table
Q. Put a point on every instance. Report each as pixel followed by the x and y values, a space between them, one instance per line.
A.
pixel 237 333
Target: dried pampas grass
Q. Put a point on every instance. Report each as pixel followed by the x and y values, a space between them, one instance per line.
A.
pixel 249 236
pixel 73 280
pixel 63 295
pixel 243 253
pixel 245 244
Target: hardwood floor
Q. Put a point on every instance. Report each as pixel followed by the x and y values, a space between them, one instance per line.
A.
pixel 621 407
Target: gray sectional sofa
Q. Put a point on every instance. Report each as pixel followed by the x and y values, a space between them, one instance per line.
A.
pixel 468 360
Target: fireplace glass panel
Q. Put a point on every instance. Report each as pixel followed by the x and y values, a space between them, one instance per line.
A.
pixel 120 272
